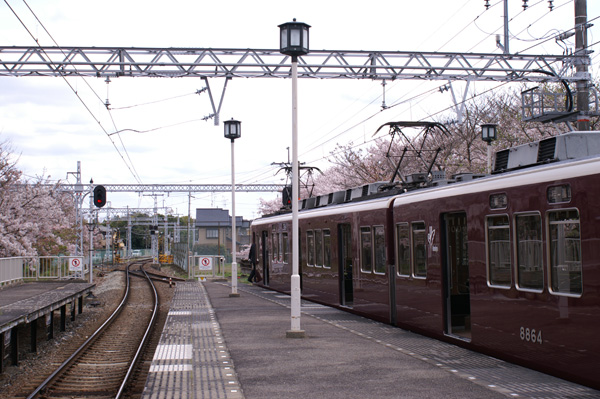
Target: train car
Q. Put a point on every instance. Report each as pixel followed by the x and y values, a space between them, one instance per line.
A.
pixel 507 264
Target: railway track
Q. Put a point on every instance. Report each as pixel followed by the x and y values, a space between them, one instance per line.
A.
pixel 103 366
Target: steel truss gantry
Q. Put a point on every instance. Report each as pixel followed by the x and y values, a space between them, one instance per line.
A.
pixel 174 188
pixel 205 63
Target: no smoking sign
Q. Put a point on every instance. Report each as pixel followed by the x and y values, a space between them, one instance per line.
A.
pixel 75 264
pixel 206 263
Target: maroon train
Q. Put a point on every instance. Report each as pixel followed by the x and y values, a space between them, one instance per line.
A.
pixel 507 264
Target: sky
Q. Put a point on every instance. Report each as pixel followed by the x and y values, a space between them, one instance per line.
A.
pixel 50 128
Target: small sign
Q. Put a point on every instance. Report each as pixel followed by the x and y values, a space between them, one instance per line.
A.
pixel 206 263
pixel 75 264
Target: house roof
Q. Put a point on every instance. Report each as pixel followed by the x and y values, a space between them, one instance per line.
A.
pixel 217 217
pixel 208 217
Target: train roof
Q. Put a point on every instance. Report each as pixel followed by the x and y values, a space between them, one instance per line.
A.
pixel 555 158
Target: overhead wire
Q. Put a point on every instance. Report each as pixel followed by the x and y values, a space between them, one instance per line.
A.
pixel 471 98
pixel 321 142
pixel 67 82
pixel 132 169
pixel 152 102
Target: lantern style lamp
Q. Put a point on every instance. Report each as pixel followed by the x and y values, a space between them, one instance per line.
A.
pixel 233 130
pixel 489 134
pixel 293 39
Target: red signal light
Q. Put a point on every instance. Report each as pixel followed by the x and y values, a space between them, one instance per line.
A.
pixel 99 196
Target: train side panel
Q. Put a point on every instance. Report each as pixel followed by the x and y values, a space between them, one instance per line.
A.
pixel 507 270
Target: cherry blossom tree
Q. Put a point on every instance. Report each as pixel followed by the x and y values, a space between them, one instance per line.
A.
pixel 36 217
pixel 462 151
pixel 267 207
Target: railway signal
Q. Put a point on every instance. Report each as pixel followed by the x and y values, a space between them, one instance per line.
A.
pixel 287 196
pixel 99 196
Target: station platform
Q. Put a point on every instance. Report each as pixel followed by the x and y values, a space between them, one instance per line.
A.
pixel 217 346
pixel 22 303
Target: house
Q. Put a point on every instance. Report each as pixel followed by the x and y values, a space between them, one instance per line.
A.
pixel 213 226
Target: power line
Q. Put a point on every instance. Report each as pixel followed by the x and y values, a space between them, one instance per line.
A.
pixel 70 86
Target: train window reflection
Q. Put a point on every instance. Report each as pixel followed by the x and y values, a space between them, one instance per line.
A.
pixel 565 252
pixel 326 248
pixel 498 262
pixel 318 248
pixel 379 239
pixel 284 248
pixel 310 248
pixel 419 246
pixel 402 249
pixel 530 273
pixel 366 250
pixel 275 240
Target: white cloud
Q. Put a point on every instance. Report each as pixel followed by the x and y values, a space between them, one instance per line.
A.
pixel 52 128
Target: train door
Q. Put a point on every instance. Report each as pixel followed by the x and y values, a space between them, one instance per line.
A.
pixel 345 264
pixel 265 257
pixel 456 275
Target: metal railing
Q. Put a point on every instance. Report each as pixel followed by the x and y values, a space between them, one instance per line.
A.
pixel 22 268
pixel 204 266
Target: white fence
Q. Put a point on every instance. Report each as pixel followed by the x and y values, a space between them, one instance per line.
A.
pixel 18 269
pixel 11 270
pixel 204 266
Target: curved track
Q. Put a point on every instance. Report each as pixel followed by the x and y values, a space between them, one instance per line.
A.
pixel 102 366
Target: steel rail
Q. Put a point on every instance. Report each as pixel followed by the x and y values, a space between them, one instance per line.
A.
pixel 144 338
pixel 71 359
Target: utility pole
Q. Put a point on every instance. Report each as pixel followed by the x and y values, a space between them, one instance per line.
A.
pixel 187 252
pixel 582 61
pixel 78 192
pixel 128 233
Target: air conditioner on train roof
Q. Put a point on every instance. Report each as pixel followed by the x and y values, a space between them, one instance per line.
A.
pixel 557 148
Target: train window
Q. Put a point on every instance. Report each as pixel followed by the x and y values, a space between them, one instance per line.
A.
pixel 280 248
pixel 379 240
pixel 366 250
pixel 275 249
pixel 565 252
pixel 318 248
pixel 326 249
pixel 498 244
pixel 498 201
pixel 403 249
pixel 419 249
pixel 530 273
pixel 559 194
pixel 284 248
pixel 310 247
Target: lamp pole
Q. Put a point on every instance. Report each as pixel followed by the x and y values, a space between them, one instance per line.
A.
pixel 294 42
pixel 232 132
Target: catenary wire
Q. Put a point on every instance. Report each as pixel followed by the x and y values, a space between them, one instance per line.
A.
pixel 68 83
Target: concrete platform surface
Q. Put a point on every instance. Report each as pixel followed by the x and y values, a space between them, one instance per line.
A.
pixel 240 350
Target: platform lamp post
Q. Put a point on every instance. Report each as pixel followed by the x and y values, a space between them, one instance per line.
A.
pixel 294 42
pixel 233 130
pixel 489 134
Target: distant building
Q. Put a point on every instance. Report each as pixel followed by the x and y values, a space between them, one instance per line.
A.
pixel 213 226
